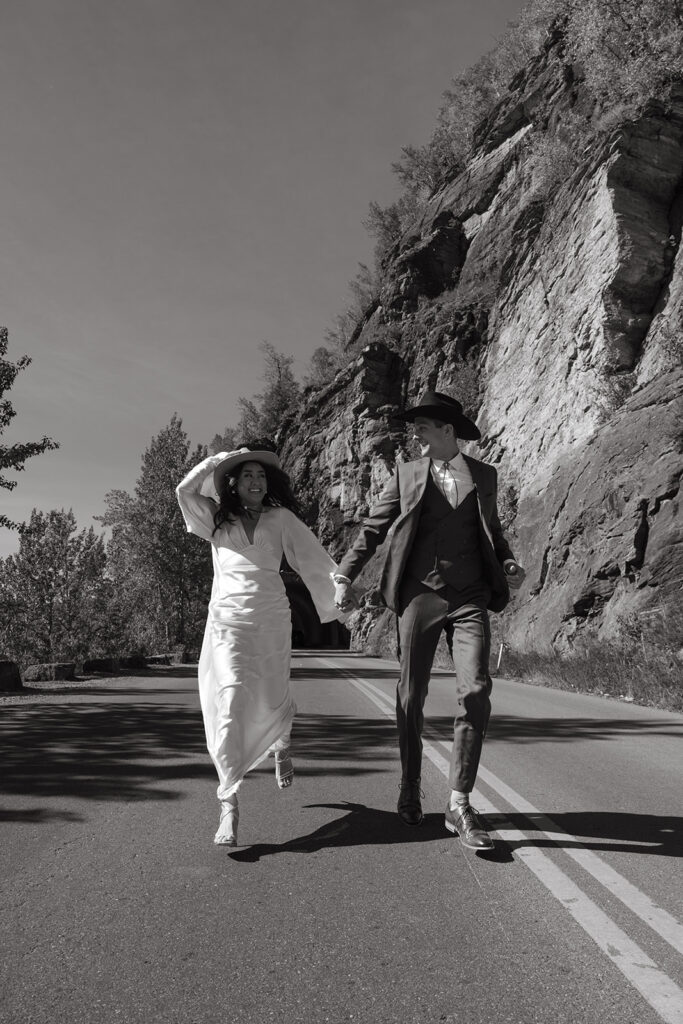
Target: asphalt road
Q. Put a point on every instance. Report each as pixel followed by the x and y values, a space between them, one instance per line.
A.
pixel 116 905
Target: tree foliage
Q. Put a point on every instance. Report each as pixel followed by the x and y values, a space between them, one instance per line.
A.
pixel 14 456
pixel 343 339
pixel 324 365
pixel 264 414
pixel 630 50
pixel 161 573
pixel 54 592
pixel 623 52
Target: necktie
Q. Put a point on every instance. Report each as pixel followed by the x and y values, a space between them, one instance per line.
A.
pixel 447 468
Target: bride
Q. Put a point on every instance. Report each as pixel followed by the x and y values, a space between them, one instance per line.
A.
pixel 245 658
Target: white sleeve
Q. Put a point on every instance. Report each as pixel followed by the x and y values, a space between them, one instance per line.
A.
pixel 198 510
pixel 308 557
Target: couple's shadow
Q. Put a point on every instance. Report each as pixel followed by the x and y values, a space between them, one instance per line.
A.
pixel 359 826
pixel 598 831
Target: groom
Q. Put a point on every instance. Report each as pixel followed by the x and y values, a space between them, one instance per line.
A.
pixel 448 562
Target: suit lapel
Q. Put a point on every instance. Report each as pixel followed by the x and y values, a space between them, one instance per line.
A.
pixel 413 480
pixel 475 469
pixel 483 493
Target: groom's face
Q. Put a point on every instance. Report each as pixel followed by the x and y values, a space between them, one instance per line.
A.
pixel 434 439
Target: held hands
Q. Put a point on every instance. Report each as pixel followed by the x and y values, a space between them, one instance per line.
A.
pixel 514 574
pixel 345 597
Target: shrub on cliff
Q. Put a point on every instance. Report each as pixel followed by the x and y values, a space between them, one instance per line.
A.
pixel 264 414
pixel 626 52
pixel 346 337
pixel 630 51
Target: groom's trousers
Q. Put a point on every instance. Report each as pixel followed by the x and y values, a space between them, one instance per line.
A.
pixel 423 614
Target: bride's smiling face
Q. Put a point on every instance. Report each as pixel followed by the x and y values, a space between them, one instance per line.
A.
pixel 252 484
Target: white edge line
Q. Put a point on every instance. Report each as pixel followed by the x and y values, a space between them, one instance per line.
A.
pixel 659 920
pixel 663 995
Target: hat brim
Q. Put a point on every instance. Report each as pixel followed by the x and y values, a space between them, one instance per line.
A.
pixel 465 428
pixel 225 467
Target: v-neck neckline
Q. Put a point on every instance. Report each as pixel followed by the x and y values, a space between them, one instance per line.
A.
pixel 257 524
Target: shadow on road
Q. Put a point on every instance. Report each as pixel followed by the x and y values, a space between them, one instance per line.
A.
pixel 365 673
pixel 131 751
pixel 357 741
pixel 103 751
pixel 368 826
pixel 358 826
pixel 517 729
pixel 602 831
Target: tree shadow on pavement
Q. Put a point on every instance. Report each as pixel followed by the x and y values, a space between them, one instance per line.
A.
pixel 602 831
pixel 102 751
pixel 124 751
pixel 329 673
pixel 518 729
pixel 359 826
pixel 358 741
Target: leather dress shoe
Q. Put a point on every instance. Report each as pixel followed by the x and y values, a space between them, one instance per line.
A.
pixel 465 821
pixel 409 806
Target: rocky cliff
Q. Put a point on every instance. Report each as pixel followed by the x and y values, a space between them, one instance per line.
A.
pixel 544 287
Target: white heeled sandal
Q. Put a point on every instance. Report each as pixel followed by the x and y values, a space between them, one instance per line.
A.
pixel 284 769
pixel 227 827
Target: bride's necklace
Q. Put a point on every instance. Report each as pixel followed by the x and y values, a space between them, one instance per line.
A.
pixel 252 513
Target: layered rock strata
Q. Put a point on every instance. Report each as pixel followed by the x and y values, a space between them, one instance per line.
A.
pixel 552 303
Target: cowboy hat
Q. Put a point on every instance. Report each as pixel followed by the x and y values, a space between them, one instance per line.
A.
pixel 436 406
pixel 239 456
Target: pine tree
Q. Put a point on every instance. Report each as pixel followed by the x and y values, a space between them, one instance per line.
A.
pixel 263 415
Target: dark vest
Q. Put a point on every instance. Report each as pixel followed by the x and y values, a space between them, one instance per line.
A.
pixel 446 548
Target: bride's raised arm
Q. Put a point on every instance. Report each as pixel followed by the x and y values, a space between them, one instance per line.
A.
pixel 198 509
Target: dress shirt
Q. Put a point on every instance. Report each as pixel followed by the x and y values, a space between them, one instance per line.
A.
pixel 453 478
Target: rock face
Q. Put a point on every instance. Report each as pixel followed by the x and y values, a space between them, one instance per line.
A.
pixel 546 291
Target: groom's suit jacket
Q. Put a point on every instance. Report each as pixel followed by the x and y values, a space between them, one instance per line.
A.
pixel 400 502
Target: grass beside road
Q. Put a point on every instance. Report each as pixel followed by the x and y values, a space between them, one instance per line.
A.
pixel 643 663
pixel 645 676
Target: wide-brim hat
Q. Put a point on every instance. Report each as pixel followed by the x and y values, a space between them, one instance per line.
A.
pixel 234 459
pixel 437 406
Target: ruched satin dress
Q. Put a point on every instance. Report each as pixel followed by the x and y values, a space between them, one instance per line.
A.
pixel 244 665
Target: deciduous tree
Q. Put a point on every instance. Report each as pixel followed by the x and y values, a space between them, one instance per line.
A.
pixel 54 592
pixel 161 573
pixel 14 456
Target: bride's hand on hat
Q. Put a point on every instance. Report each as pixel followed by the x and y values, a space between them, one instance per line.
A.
pixel 215 460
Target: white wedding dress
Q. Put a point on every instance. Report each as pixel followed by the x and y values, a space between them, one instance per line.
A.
pixel 245 658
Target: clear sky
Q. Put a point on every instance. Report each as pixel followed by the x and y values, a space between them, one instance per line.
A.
pixel 181 180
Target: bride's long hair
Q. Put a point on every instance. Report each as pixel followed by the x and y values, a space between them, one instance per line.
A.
pixel 279 494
